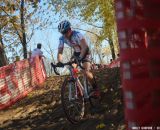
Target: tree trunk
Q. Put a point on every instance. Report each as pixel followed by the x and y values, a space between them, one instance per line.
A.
pixel 111 45
pixel 24 43
pixel 100 58
pixel 3 58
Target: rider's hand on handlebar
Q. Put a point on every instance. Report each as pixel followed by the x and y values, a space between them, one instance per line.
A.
pixel 60 64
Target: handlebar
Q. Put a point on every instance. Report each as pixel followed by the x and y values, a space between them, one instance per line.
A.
pixel 68 63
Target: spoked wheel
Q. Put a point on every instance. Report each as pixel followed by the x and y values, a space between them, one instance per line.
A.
pixel 73 105
pixel 94 101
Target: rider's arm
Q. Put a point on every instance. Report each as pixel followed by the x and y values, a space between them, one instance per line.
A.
pixel 59 56
pixel 60 50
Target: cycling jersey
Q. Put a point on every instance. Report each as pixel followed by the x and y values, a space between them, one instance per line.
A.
pixel 74 42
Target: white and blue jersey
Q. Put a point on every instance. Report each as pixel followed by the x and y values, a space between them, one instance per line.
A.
pixel 73 42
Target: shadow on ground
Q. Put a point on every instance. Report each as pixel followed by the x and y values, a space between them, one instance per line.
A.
pixel 42 110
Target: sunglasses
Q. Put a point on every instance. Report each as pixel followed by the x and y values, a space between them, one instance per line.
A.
pixel 64 32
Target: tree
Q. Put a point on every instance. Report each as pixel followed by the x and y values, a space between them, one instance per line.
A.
pixel 14 13
pixel 23 18
pixel 23 37
pixel 99 14
pixel 95 45
pixel 3 58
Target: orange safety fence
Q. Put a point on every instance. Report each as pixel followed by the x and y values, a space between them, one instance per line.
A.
pixel 18 79
pixel 138 27
pixel 115 63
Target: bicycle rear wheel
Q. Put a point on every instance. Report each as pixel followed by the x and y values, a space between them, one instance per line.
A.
pixel 73 105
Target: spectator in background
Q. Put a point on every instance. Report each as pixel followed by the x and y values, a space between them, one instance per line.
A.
pixel 37 52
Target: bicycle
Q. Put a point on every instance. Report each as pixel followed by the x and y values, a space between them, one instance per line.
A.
pixel 74 94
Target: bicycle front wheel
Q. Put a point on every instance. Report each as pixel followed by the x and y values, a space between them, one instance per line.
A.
pixel 72 101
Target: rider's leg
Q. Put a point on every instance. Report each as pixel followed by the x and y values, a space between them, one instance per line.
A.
pixel 90 77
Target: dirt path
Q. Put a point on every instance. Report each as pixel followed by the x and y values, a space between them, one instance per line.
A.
pixel 42 110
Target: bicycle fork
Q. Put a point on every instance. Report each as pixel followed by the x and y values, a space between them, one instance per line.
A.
pixel 83 87
pixel 79 89
pixel 74 95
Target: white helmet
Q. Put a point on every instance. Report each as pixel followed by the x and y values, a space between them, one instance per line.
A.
pixel 64 26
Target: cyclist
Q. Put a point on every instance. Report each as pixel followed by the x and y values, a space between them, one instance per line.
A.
pixel 76 40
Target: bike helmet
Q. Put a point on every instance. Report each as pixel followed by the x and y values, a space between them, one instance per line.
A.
pixel 64 26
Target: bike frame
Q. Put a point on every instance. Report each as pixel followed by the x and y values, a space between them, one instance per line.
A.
pixel 78 85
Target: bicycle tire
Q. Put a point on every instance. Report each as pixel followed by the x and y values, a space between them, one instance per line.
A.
pixel 68 104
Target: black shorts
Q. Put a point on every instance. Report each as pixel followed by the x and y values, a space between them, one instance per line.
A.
pixel 86 57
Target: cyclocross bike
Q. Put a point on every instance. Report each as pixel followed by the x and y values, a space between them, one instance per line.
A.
pixel 75 93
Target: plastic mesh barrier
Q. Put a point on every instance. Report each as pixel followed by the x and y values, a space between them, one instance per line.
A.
pixel 18 79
